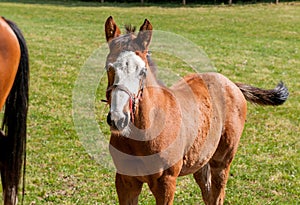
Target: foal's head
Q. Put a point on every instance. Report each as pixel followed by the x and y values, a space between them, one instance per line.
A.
pixel 126 66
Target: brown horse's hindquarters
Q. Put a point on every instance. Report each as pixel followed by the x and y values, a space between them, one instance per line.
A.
pixel 221 105
pixel 10 54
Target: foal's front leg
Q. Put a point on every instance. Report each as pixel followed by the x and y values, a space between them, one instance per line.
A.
pixel 128 189
pixel 163 189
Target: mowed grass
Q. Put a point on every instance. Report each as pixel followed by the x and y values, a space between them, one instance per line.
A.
pixel 256 44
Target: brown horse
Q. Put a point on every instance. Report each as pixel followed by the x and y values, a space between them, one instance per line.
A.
pixel 160 133
pixel 14 76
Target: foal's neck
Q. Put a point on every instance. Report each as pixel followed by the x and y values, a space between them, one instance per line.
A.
pixel 152 103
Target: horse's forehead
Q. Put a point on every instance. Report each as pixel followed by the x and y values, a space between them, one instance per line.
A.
pixel 129 61
pixel 126 42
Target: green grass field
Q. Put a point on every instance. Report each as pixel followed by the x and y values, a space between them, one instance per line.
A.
pixel 256 44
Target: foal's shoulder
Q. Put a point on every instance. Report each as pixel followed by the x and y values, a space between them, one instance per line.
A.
pixel 192 82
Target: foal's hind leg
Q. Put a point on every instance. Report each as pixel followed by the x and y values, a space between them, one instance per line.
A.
pixel 212 178
pixel 203 179
pixel 219 175
pixel 128 189
pixel 220 163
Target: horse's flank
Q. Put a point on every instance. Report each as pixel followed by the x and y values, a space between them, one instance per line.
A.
pixel 217 99
pixel 10 54
pixel 14 79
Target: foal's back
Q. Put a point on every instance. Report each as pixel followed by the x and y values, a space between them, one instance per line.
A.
pixel 212 106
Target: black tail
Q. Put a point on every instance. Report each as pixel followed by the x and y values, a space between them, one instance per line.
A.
pixel 13 145
pixel 276 96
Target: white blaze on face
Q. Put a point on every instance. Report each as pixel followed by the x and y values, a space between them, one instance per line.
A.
pixel 127 67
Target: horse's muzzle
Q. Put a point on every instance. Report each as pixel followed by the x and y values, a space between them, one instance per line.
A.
pixel 117 121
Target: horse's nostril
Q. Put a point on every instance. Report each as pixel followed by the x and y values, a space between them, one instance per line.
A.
pixel 117 121
pixel 122 122
pixel 108 119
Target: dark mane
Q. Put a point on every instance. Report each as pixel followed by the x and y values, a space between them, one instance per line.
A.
pixel 153 68
pixel 130 28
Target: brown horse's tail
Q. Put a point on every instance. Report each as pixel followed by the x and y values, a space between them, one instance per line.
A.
pixel 276 96
pixel 13 143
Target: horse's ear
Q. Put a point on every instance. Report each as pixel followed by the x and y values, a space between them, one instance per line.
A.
pixel 111 29
pixel 145 35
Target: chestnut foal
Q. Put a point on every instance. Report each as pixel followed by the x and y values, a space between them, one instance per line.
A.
pixel 160 133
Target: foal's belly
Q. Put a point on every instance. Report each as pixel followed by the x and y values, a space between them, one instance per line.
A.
pixel 203 147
